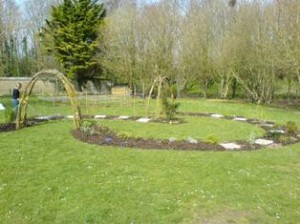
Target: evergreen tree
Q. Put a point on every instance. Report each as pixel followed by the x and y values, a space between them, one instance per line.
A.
pixel 71 34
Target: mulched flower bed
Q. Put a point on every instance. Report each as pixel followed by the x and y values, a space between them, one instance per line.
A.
pixel 4 127
pixel 104 136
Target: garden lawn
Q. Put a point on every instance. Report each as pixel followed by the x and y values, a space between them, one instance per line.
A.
pixel 47 176
pixel 200 128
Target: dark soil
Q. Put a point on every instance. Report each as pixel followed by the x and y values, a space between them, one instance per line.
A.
pixel 104 136
pixel 4 127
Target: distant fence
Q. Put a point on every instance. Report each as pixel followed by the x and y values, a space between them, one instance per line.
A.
pixel 120 91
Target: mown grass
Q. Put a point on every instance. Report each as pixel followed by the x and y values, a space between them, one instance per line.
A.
pixel 201 128
pixel 47 176
pixel 234 108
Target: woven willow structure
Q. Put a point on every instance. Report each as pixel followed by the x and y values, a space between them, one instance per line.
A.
pixel 22 110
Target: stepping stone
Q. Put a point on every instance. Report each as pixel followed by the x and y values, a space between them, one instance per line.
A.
pixel 100 116
pixel 230 145
pixel 240 119
pixel 279 131
pixel 50 117
pixel 172 139
pixel 192 140
pixel 267 125
pixel 122 117
pixel 143 120
pixel 261 141
pixel 43 117
pixel 217 115
pixel 2 107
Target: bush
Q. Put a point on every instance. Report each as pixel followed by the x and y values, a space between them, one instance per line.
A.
pixel 291 128
pixel 274 135
pixel 125 135
pixel 212 139
pixel 169 108
pixel 252 137
pixel 87 128
pixel 9 115
pixel 284 139
pixel 287 140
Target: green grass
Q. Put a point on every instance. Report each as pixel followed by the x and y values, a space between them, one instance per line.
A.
pixel 234 108
pixel 196 127
pixel 47 176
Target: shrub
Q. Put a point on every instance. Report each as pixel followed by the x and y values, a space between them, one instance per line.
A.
pixel 169 108
pixel 284 139
pixel 291 128
pixel 125 135
pixel 9 115
pixel 274 135
pixel 252 137
pixel 88 128
pixel 212 139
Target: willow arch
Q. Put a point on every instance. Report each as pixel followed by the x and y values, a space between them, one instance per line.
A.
pixel 22 110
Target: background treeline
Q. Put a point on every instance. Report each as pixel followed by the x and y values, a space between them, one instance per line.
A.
pixel 21 53
pixel 219 48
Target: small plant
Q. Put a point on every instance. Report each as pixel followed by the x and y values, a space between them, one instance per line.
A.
pixel 284 139
pixel 212 139
pixel 9 115
pixel 88 128
pixel 252 137
pixel 169 108
pixel 125 135
pixel 274 135
pixel 291 128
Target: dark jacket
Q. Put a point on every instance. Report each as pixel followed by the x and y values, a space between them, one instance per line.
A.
pixel 16 94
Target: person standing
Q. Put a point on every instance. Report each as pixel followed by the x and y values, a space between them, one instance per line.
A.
pixel 16 95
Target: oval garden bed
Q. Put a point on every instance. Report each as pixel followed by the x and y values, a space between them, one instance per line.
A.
pixel 274 137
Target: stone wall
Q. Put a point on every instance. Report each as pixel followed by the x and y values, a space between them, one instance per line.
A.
pixel 41 87
pixel 46 87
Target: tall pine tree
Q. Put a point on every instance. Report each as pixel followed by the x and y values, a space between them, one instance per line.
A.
pixel 71 34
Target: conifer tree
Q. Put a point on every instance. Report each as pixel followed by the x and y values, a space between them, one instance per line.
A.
pixel 71 34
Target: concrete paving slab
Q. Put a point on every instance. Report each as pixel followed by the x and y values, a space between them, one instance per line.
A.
pixel 240 119
pixel 261 141
pixel 192 140
pixel 144 120
pixel 123 117
pixel 278 131
pixel 217 115
pixel 230 145
pixel 100 116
